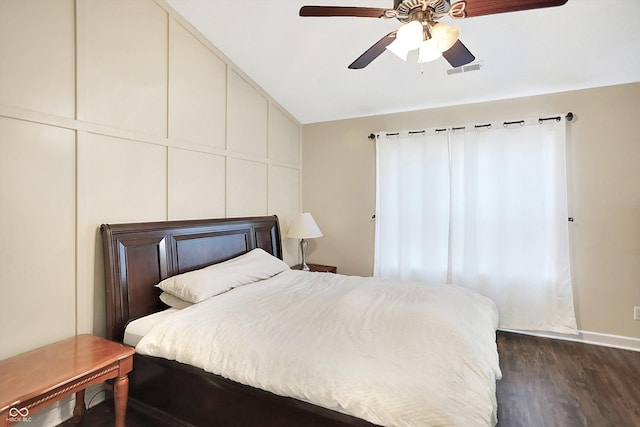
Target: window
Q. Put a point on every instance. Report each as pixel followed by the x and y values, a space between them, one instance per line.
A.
pixel 484 209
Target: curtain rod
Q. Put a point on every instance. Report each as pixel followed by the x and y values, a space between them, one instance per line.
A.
pixel 568 117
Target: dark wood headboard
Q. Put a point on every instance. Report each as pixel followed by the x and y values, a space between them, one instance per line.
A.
pixel 137 256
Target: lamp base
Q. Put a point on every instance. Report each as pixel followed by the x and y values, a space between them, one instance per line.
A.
pixel 303 250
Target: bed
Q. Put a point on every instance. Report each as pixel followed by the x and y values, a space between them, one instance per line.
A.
pixel 138 256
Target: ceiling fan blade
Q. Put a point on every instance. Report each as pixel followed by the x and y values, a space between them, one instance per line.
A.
pixel 458 55
pixel 490 7
pixel 362 12
pixel 373 52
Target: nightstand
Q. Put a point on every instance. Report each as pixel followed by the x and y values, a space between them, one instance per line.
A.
pixel 318 268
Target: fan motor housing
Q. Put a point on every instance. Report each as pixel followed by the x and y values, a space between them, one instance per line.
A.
pixel 407 6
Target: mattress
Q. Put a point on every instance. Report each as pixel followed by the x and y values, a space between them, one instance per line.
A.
pixel 392 353
pixel 138 328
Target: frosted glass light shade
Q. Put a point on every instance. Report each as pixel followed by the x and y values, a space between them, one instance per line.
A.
pixel 398 49
pixel 408 37
pixel 304 227
pixel 411 35
pixel 445 35
pixel 429 51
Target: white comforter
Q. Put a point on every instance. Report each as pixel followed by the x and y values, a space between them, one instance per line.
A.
pixel 392 353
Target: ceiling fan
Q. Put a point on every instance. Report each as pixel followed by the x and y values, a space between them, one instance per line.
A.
pixel 421 29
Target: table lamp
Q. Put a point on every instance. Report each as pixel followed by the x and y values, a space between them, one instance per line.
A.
pixel 304 227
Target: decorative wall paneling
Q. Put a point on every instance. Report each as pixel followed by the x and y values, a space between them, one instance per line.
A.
pixel 37 261
pixel 127 114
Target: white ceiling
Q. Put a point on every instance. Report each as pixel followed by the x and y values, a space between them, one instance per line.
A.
pixel 302 62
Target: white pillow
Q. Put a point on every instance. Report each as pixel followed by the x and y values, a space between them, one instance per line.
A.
pixel 173 301
pixel 199 285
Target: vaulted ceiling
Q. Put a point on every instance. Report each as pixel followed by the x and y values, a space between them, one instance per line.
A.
pixel 302 62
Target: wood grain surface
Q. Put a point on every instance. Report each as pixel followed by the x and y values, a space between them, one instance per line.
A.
pixel 549 383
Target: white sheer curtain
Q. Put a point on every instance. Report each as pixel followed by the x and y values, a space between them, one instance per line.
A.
pixel 491 216
pixel 411 242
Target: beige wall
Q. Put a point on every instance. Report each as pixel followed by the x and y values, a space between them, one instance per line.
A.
pixel 604 190
pixel 118 111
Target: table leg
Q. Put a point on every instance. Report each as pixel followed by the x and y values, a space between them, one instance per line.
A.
pixel 79 409
pixel 120 393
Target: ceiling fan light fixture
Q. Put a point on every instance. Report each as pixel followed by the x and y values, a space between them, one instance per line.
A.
pixel 445 35
pixel 425 13
pixel 429 51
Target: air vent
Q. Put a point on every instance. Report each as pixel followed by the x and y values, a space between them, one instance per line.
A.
pixel 472 67
pixel 465 69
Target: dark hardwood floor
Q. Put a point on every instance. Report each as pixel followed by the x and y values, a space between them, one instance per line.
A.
pixel 554 383
pixel 545 383
pixel 103 415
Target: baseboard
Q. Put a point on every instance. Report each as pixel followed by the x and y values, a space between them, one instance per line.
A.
pixel 586 337
pixel 62 410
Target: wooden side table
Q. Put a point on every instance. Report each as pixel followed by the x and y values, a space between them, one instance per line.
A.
pixel 39 377
pixel 318 267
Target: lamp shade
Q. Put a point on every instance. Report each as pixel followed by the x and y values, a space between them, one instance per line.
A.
pixel 398 49
pixel 429 51
pixel 304 227
pixel 445 35
pixel 408 37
